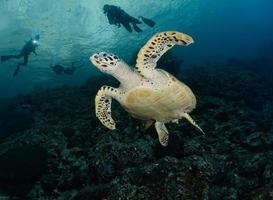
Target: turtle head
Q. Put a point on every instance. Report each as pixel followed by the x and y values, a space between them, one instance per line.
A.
pixel 107 62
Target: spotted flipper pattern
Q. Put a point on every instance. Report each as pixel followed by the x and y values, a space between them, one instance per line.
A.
pixel 162 132
pixel 103 103
pixel 156 47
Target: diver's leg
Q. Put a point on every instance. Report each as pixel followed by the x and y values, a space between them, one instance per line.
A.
pixel 20 64
pixel 25 60
pixel 17 70
pixel 136 28
pixel 5 58
pixel 147 21
pixel 127 26
pixel 134 20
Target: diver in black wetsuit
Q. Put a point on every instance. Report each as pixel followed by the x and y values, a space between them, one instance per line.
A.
pixel 61 70
pixel 28 48
pixel 117 16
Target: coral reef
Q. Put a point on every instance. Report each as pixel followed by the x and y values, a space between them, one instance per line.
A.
pixel 14 119
pixel 67 154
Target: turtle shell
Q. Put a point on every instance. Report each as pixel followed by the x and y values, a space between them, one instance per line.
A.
pixel 162 104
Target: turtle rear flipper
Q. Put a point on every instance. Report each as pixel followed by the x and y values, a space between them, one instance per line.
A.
pixel 163 134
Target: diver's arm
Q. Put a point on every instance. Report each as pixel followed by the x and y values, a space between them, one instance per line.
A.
pixel 110 19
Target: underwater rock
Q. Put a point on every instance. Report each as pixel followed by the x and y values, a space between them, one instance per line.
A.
pixel 87 161
pixel 224 193
pixel 110 158
pixel 239 133
pixel 15 120
pixel 268 172
pixel 174 150
pixel 68 131
pixel 167 178
pixel 21 167
pixel 193 147
pixel 24 163
pixel 96 192
pixel 72 160
pixel 253 164
pixel 254 140
pixel 262 193
pixel 49 182
pixel 258 141
pixel 243 185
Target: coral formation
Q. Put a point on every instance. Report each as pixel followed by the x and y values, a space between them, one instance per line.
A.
pixel 83 160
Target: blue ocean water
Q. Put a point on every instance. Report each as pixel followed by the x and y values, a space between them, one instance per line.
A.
pixel 72 30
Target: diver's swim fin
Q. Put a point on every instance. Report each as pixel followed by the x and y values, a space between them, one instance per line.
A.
pixel 147 21
pixel 5 58
pixel 136 28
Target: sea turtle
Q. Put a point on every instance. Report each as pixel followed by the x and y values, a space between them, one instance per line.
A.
pixel 147 93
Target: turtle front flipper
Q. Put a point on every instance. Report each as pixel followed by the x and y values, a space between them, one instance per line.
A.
pixel 163 134
pixel 156 47
pixel 103 103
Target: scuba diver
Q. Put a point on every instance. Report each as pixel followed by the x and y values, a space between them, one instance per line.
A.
pixel 117 16
pixel 61 70
pixel 29 47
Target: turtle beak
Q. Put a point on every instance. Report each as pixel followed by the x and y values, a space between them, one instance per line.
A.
pixel 94 59
pixel 103 59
